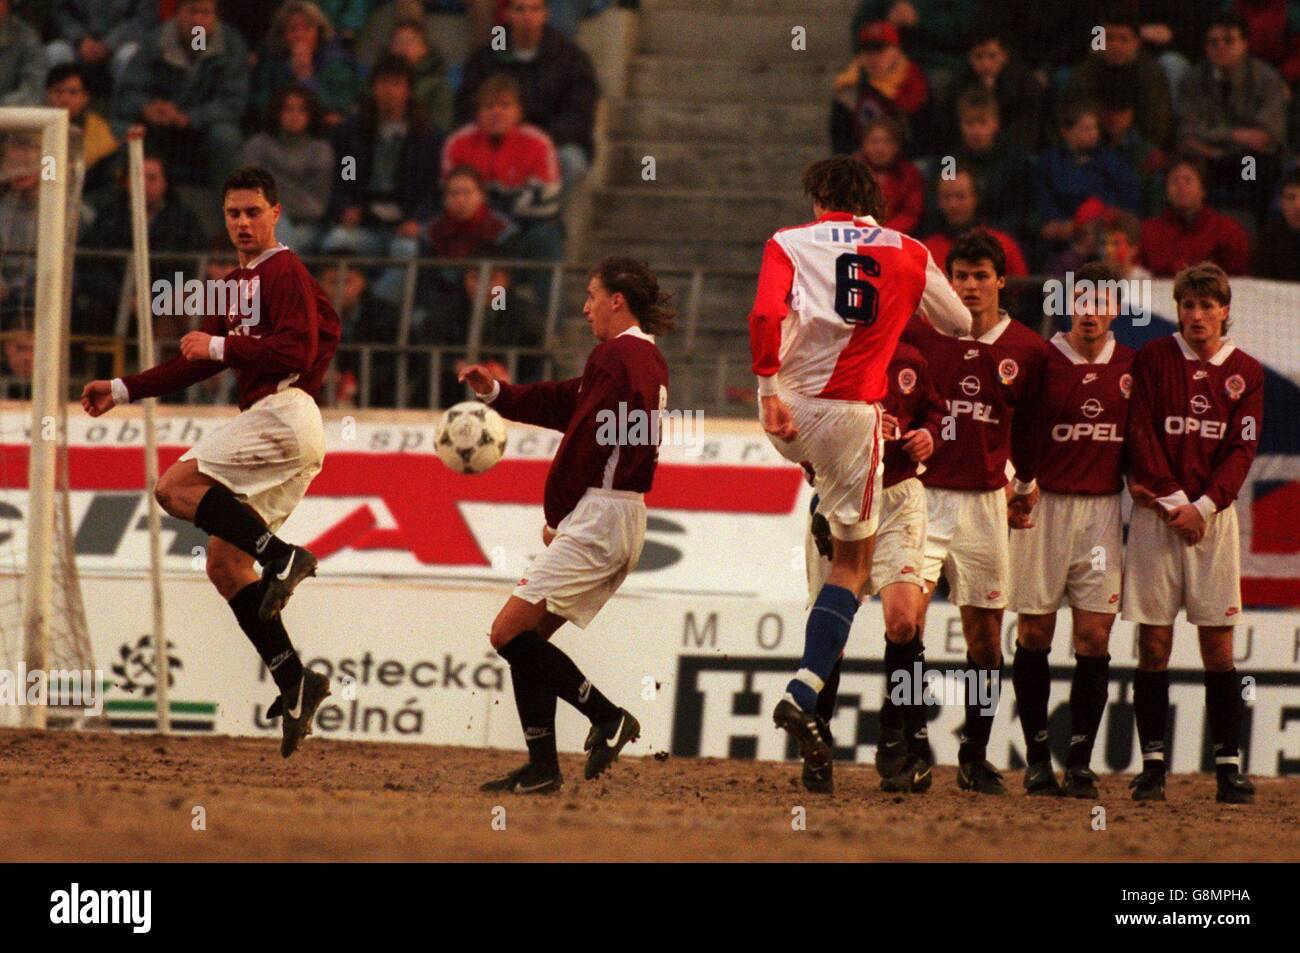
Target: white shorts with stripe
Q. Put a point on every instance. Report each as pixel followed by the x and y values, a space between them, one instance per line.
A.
pixel 966 540
pixel 594 549
pixel 268 455
pixel 840 440
pixel 900 542
pixel 1072 555
pixel 1162 574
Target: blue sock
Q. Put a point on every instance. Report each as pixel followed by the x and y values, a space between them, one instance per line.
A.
pixel 827 634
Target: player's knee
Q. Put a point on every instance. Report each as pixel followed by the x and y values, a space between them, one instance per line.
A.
pixel 900 627
pixel 1153 651
pixel 1093 643
pixel 1216 655
pixel 1033 634
pixel 165 496
pixel 500 635
pixel 222 570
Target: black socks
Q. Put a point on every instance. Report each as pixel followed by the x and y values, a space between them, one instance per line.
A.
pixel 981 705
pixel 1223 706
pixel 220 514
pixel 1151 711
pixel 1031 676
pixel 830 692
pixel 1087 702
pixel 269 638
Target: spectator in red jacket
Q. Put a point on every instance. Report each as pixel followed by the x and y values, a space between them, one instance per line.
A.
pixel 881 80
pixel 958 200
pixel 899 180
pixel 1189 231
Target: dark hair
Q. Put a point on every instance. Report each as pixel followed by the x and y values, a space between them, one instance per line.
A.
pixel 988 35
pixel 465 172
pixel 1291 178
pixel 977 99
pixel 276 106
pixel 1119 220
pixel 252 177
pixel 843 184
pixel 977 245
pixel 1072 110
pixel 64 71
pixel 1206 279
pixel 390 65
pixel 1096 271
pixel 1120 14
pixel 890 125
pixel 496 86
pixel 639 287
pixel 1193 162
pixel 1229 19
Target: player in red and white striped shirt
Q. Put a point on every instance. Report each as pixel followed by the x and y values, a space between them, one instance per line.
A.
pixel 833 296
pixel 595 513
pixel 1068 549
pixel 1193 430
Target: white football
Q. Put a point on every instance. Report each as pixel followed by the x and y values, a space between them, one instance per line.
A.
pixel 472 437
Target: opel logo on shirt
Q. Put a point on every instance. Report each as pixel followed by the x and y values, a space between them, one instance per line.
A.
pixel 1092 408
pixel 1200 404
pixel 970 386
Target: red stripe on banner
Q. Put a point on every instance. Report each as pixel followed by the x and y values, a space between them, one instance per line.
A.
pixel 1273 521
pixel 1270 592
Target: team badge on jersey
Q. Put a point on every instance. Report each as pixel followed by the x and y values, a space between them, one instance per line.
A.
pixel 1126 384
pixel 1235 386
pixel 1008 370
pixel 907 380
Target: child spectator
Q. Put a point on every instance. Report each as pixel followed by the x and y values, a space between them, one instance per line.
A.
pixel 467 226
pixel 959 205
pixel 1122 66
pixel 409 42
pixel 1078 169
pixel 1000 169
pixel 1119 243
pixel 301 50
pixel 302 162
pixel 1278 254
pixel 991 66
pixel 1118 112
pixel 881 81
pixel 899 180
pixel 935 33
pixel 518 164
pixel 1188 231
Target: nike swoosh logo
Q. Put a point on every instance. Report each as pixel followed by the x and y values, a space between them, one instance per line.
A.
pixel 613 739
pixel 296 711
pixel 918 778
pixel 893 744
pixel 285 575
pixel 526 788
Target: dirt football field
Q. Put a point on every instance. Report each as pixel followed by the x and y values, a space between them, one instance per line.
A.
pixel 101 796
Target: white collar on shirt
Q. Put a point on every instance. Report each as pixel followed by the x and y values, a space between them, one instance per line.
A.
pixel 992 334
pixel 636 332
pixel 1224 350
pixel 1062 343
pixel 281 246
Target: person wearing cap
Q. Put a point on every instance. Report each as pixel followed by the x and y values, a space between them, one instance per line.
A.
pixel 881 81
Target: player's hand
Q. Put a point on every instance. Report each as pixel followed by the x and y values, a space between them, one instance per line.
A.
pixel 196 346
pixel 548 535
pixel 1187 522
pixel 478 378
pixel 1019 506
pixel 777 419
pixel 889 428
pixel 918 444
pixel 1141 495
pixel 97 398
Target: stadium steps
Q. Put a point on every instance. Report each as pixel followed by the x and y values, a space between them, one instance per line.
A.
pixel 716 165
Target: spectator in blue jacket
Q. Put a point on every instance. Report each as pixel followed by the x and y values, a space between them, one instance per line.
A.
pixel 100 36
pixel 188 84
pixel 1077 169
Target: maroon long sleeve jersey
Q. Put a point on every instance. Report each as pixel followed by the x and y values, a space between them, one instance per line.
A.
pixel 1079 419
pixel 986 383
pixel 916 404
pixel 1193 425
pixel 290 345
pixel 606 417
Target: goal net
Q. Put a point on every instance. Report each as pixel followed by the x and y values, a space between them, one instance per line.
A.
pixel 42 619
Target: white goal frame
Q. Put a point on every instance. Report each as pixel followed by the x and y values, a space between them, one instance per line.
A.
pixel 50 301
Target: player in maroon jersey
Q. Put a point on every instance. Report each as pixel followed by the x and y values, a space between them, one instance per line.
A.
pixel 1069 548
pixel 240 483
pixel 1193 431
pixel 914 414
pixel 595 514
pixel 987 379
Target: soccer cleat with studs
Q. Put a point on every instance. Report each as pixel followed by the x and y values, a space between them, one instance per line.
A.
pixel 891 752
pixel 820 779
pixel 980 777
pixel 1040 781
pixel 915 777
pixel 280 577
pixel 802 726
pixel 604 742
pixel 296 712
pixel 529 779
pixel 1081 782
pixel 1235 788
pixel 1149 785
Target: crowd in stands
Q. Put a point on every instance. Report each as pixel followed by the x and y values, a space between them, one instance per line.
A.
pixel 380 145
pixel 1161 132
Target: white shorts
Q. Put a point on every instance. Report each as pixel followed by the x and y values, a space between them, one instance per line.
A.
pixel 268 455
pixel 900 542
pixel 1162 574
pixel 966 540
pixel 840 440
pixel 594 549
pixel 1073 554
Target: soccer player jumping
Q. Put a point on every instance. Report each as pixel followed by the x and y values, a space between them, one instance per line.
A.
pixel 1069 547
pixel 833 297
pixel 240 482
pixel 1193 431
pixel 595 514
